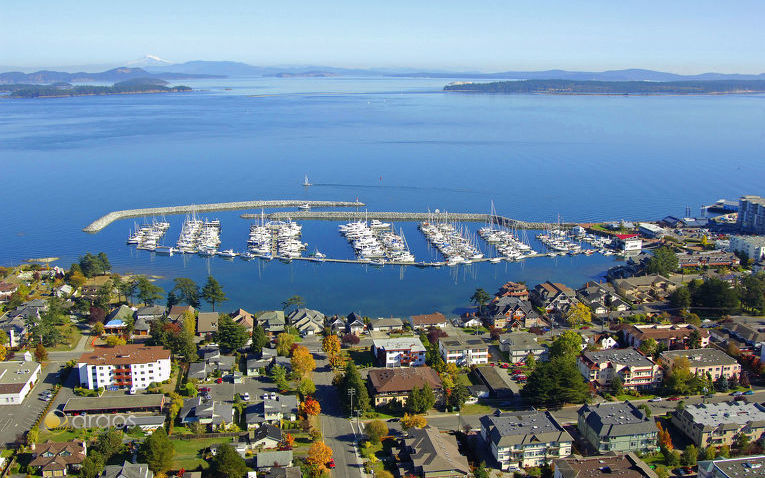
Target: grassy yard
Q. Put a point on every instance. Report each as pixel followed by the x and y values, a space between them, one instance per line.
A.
pixel 188 453
pixel 65 434
pixel 71 337
pixel 362 357
pixel 472 330
pixel 464 379
pixel 169 387
pixel 626 396
pixel 477 408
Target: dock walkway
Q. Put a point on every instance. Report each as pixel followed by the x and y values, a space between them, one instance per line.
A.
pixel 109 218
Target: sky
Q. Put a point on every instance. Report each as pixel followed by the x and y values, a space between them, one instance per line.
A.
pixel 680 36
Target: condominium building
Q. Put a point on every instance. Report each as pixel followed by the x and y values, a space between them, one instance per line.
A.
pixel 623 466
pixel 399 352
pixel 522 439
pixel 617 427
pixel 125 366
pixel 633 368
pixel 751 215
pixel 17 379
pixel 718 424
pixel 702 361
pixel 463 351
pixel 671 336
pixel 753 247
pixel 389 385
pixel 742 467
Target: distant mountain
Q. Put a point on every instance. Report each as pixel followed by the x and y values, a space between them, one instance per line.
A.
pixel 148 60
pixel 235 68
pixel 116 74
pixel 611 75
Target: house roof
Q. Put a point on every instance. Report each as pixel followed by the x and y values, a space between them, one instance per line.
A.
pixel 267 431
pixel 124 355
pixel 267 459
pixel 623 466
pixel 429 319
pixel 155 310
pixel 62 454
pixel 386 322
pixel 393 380
pixel 207 322
pixel 434 452
pixel 121 313
pixel 524 428
pixel 663 332
pixel 399 343
pixel 118 402
pixel 128 470
pixel 617 419
pixel 701 357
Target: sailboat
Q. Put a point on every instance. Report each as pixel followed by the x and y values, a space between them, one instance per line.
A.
pixel 306 182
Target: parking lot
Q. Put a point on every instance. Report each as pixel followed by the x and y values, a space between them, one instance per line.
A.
pixel 255 386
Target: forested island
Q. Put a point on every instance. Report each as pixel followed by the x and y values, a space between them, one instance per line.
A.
pixel 59 90
pixel 573 87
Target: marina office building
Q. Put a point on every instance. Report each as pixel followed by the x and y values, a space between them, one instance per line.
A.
pixel 129 366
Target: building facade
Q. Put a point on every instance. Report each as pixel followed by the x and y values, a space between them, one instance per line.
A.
pixel 671 336
pixel 463 351
pixel 388 385
pixel 718 424
pixel 751 215
pixel 702 361
pixel 635 370
pixel 126 366
pixel 617 427
pixel 17 379
pixel 753 247
pixel 399 352
pixel 745 466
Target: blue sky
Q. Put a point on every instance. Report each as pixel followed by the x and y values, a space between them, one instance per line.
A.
pixel 679 35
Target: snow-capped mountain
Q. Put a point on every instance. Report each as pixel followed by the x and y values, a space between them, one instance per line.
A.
pixel 148 60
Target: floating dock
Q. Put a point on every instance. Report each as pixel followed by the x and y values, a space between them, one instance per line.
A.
pixel 404 216
pixel 109 218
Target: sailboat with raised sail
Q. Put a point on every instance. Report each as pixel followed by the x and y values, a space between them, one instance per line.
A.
pixel 306 182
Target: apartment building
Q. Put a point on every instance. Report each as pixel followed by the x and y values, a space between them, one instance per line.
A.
pixel 633 368
pixel 751 215
pixel 388 385
pixel 617 427
pixel 399 352
pixel 125 366
pixel 464 351
pixel 753 247
pixel 718 424
pixel 702 361
pixel 745 466
pixel 671 336
pixel 627 465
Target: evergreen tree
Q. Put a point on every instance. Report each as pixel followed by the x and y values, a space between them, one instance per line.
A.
pixel 230 335
pixel 664 261
pixel 212 292
pixel 259 340
pixel 227 463
pixel 158 451
pixel 187 291
pixel 352 380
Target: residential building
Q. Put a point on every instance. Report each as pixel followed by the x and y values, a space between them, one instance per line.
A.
pixel 519 345
pixel 464 351
pixel 207 323
pixel 283 472
pixel 753 247
pixel 617 427
pixel 356 327
pixel 707 259
pixel 15 326
pixel 386 324
pixel 213 412
pixel 750 330
pixel 55 459
pixel 6 290
pixel 553 296
pixel 388 385
pixel 428 453
pixel 149 423
pixel 17 379
pixel 628 242
pixel 601 298
pixel 642 289
pixel 128 470
pixel 634 369
pixel 514 313
pixel 130 366
pixel 399 352
pixel 742 467
pixel 307 321
pixel 176 312
pixel 525 438
pixel 64 291
pixel 751 215
pixel 624 466
pixel 671 336
pixel 602 341
pixel 150 313
pixel 143 403
pixel 272 321
pixel 266 436
pixel 243 318
pixel 267 460
pixel 717 424
pixel 498 382
pixel 273 409
pixel 513 289
pixel 702 361
pixel 426 321
pixel 337 325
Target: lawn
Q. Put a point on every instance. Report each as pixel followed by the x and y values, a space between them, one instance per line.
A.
pixel 169 387
pixel 65 434
pixel 362 358
pixel 626 396
pixel 188 453
pixel 476 409
pixel 71 334
pixel 471 330
pixel 464 379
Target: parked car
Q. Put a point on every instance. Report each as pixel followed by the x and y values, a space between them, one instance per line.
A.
pixel 736 394
pixel 331 463
pixel 245 396
pixel 749 392
pixel 673 399
pixel 739 398
pixel 204 389
pixel 505 365
pixel 657 399
pixel 218 380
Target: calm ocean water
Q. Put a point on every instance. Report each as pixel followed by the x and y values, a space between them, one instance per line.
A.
pixel 396 144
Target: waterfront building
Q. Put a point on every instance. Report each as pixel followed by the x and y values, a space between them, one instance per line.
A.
pixel 207 323
pixel 426 321
pixel 718 424
pixel 651 231
pixel 272 321
pixel 627 465
pixel 751 215
pixel 386 324
pixel 132 366
pixel 642 289
pixel 17 379
pixel 702 361
pixel 428 453
pixel 243 318
pixel 55 459
pixel 753 247
pixel 635 370
pixel 176 312
pixel 617 427
pixel 553 296
pixel 150 313
pixel 741 467
pixel 399 352
pixel 513 312
pixel 671 336
pixel 519 345
pixel 526 438
pixel 464 351
pixel 513 289
pixel 306 321
pixel 387 385
pixel 628 242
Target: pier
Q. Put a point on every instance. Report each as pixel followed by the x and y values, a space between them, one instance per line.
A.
pixel 404 216
pixel 109 218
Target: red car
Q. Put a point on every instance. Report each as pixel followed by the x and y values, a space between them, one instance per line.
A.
pixel 517 371
pixel 505 365
pixel 204 389
pixel 331 463
pixel 520 378
pixel 218 380
pixel 673 399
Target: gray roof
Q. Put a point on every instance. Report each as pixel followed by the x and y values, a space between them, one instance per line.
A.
pixel 148 420
pixel 267 431
pixel 701 357
pixel 195 409
pixel 124 402
pixel 714 415
pixel 266 459
pixel 272 321
pixel 284 472
pixel 393 322
pixel 523 428
pixel 197 370
pixel 463 343
pixel 629 357
pixel 616 419
pixel 521 341
pixel 434 452
pixel 128 470
pixel 623 466
pixel 153 310
pixel 744 467
pixel 498 380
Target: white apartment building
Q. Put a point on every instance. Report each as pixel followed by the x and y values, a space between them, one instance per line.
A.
pixel 126 366
pixel 399 352
pixel 17 379
pixel 463 352
pixel 751 246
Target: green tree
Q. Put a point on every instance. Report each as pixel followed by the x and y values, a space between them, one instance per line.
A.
pixel 227 463
pixel 259 340
pixel 4 340
pixel 578 314
pixel 158 451
pixel 279 376
pixel 646 409
pixel 284 342
pixel 351 380
pixel 375 430
pixel 109 444
pixel 680 298
pixel 230 335
pixel 148 292
pixel 190 389
pixel 690 455
pixel 187 291
pixel 212 292
pixel 128 289
pixel 714 297
pixel 556 382
pixel 648 347
pixel 566 345
pixel 480 298
pixel 481 471
pixel 752 292
pixel 694 339
pixel 92 465
pixel 459 396
pixel 531 361
pixel 617 385
pixel 662 471
pixel 306 387
pixel 294 302
pixel 664 261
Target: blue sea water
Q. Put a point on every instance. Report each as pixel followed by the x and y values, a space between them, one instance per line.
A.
pixel 395 144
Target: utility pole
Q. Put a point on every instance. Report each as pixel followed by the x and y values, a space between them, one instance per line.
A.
pixel 351 393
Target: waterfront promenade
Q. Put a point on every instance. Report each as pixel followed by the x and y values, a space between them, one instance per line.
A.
pixel 109 218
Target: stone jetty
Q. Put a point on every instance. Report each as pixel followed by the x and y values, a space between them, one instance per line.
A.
pixel 107 219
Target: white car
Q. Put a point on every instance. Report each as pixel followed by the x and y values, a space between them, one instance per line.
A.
pixel 245 396
pixel 657 399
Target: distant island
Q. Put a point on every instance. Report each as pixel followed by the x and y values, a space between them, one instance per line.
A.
pixel 573 87
pixel 113 75
pixel 305 74
pixel 60 90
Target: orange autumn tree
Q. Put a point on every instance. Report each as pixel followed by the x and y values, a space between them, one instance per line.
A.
pixel 665 441
pixel 318 456
pixel 302 361
pixel 413 421
pixel 331 345
pixel 288 441
pixel 311 406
